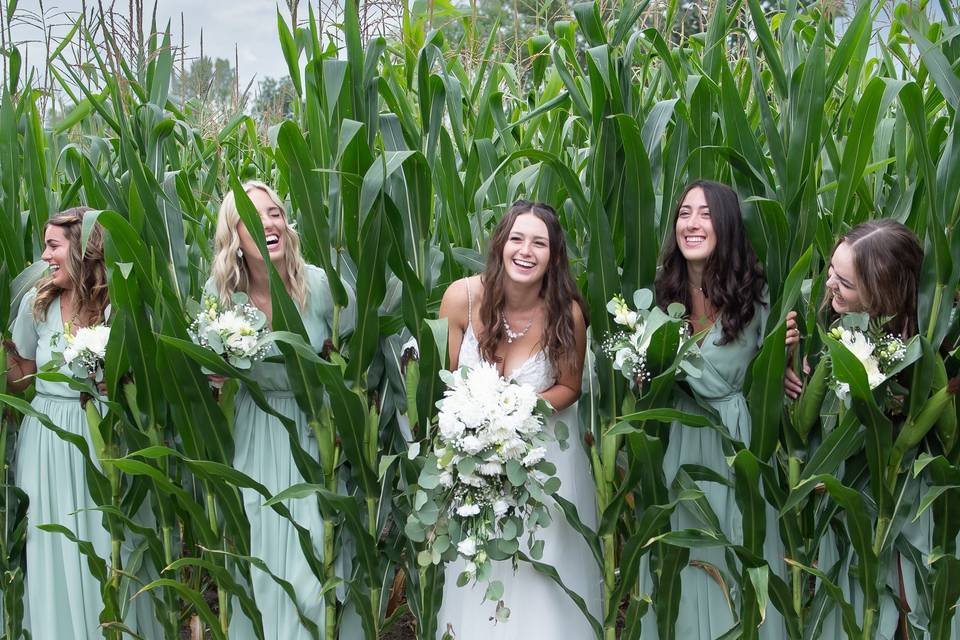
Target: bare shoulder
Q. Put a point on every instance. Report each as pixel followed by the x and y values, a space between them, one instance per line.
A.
pixel 456 299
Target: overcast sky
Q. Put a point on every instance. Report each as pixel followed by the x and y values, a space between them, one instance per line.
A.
pixel 251 25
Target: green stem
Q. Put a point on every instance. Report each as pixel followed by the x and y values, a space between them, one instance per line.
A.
pixel 329 571
pixel 374 534
pixel 935 310
pixel 221 594
pixel 336 326
pixel 795 572
pixel 609 581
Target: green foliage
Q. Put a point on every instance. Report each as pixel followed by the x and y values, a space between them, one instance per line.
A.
pixel 397 159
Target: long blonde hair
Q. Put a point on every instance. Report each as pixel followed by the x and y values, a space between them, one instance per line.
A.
pixel 86 270
pixel 230 272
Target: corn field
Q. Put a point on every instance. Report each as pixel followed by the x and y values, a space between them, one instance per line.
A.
pixel 401 156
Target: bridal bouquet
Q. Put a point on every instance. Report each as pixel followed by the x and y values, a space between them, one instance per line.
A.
pixel 627 347
pixel 880 354
pixel 85 352
pixel 485 482
pixel 237 333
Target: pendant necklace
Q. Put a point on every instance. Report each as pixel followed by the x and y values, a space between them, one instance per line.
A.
pixel 511 334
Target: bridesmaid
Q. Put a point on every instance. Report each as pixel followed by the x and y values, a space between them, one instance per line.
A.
pixel 262 447
pixel 875 269
pixel 50 470
pixel 524 314
pixel 708 265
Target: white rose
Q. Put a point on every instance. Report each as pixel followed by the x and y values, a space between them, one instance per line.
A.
pixel 500 508
pixel 471 444
pixel 467 547
pixel 467 510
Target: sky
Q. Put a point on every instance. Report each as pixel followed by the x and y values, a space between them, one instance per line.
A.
pixel 251 25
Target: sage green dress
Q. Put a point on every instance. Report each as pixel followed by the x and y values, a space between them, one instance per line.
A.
pixel 709 600
pixel 63 597
pixel 262 451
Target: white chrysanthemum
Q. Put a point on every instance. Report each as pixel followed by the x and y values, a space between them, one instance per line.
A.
pixel 490 469
pixel 470 480
pixel 530 426
pixel 513 449
pixel 467 408
pixel 467 547
pixel 241 343
pixel 450 425
pixel 467 510
pixel 93 339
pixel 534 456
pixel 229 322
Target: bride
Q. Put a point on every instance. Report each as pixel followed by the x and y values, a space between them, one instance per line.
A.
pixel 524 314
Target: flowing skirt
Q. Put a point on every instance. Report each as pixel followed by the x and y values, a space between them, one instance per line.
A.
pixel 262 451
pixel 51 472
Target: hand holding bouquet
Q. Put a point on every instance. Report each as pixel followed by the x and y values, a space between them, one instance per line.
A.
pixel 628 347
pixel 880 353
pixel 484 484
pixel 238 333
pixel 85 352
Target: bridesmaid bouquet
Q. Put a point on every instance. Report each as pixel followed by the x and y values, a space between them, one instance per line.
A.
pixel 627 348
pixel 485 482
pixel 880 354
pixel 85 351
pixel 238 334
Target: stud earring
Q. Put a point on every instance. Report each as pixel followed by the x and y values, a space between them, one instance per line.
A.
pixel 239 252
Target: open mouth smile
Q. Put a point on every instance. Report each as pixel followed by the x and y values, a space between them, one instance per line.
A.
pixel 523 264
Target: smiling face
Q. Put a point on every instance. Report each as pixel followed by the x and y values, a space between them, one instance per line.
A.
pixel 696 238
pixel 274 228
pixel 56 253
pixel 842 281
pixel 526 254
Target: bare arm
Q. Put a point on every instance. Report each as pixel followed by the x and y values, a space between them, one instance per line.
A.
pixel 453 307
pixel 566 391
pixel 18 369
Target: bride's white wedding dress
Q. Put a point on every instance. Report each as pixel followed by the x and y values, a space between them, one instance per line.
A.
pixel 539 608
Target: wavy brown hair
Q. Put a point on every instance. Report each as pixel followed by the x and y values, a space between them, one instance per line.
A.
pixel 86 270
pixel 557 289
pixel 887 256
pixel 733 280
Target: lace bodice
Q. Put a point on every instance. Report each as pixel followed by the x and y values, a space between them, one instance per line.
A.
pixel 536 371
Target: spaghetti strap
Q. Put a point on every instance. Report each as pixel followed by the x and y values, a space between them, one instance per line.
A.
pixel 469 303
